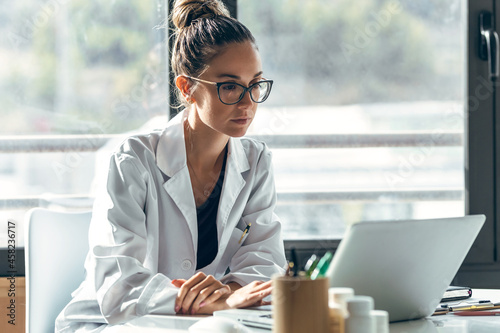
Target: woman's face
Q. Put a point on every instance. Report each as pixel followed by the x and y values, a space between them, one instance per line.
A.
pixel 239 63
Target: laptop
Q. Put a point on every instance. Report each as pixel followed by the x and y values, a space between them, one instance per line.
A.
pixel 259 317
pixel 406 266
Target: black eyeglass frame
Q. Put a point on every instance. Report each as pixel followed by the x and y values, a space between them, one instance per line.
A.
pixel 245 89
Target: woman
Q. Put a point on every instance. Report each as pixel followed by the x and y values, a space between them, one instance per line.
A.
pixel 186 221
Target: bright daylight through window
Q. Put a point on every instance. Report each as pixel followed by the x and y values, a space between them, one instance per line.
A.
pixel 371 94
pixel 365 119
pixel 88 68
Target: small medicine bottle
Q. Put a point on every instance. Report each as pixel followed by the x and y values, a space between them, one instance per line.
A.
pixel 360 319
pixel 340 297
pixel 336 320
pixel 381 318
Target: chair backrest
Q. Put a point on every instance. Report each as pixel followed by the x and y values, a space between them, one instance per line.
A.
pixel 56 244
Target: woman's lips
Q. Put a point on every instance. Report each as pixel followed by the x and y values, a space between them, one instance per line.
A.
pixel 241 121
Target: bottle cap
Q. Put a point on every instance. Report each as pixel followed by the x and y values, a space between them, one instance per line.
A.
pixel 340 295
pixel 360 305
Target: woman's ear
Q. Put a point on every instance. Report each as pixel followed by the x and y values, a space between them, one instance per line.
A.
pixel 184 84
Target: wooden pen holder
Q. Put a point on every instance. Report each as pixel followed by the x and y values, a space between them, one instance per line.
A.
pixel 300 304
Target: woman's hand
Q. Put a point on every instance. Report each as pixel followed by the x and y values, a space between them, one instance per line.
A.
pixel 197 292
pixel 252 294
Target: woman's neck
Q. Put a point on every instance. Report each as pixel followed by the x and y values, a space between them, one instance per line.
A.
pixel 204 146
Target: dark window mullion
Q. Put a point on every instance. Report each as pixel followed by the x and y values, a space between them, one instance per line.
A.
pixel 496 105
pixel 480 141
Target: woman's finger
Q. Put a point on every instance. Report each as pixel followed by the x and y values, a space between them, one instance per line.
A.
pixel 261 293
pixel 260 285
pixel 245 297
pixel 198 293
pixel 184 290
pixel 199 296
pixel 208 296
pixel 178 282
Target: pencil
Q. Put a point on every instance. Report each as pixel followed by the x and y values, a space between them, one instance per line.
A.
pixel 477 313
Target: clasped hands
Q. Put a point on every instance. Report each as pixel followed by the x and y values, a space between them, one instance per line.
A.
pixel 204 294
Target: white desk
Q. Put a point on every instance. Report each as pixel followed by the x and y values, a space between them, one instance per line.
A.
pixel 436 324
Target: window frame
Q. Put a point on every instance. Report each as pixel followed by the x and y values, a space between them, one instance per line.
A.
pixel 482 163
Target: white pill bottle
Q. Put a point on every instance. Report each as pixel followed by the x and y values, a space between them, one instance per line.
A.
pixel 360 319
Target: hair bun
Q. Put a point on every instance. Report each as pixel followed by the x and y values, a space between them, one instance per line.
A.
pixel 186 11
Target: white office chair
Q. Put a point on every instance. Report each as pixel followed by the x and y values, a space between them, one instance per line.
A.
pixel 56 244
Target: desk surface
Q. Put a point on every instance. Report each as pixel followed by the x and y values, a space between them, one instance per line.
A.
pixel 436 324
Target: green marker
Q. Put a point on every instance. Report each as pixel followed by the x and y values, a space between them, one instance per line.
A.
pixel 322 266
pixel 311 265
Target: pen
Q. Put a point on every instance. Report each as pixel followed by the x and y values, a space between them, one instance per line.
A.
pixel 311 264
pixel 289 269
pixel 322 266
pixel 441 311
pixel 477 313
pixel 472 307
pixel 247 229
pixel 467 303
pixel 295 261
pixel 468 307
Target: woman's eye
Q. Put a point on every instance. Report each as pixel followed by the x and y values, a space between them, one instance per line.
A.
pixel 229 87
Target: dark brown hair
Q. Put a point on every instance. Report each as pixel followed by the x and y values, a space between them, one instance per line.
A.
pixel 204 28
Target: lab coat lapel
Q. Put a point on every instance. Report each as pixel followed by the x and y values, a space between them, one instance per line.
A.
pixel 171 159
pixel 237 163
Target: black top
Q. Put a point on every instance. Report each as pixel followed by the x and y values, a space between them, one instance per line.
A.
pixel 208 243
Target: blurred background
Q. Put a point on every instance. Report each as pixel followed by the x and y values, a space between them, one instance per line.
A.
pixel 365 119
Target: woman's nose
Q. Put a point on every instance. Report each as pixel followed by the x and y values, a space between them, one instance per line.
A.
pixel 246 100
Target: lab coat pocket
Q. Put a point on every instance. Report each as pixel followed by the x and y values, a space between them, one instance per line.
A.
pixel 232 246
pixel 235 241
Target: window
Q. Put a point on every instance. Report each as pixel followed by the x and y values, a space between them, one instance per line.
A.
pixel 75 75
pixel 366 119
pixel 372 93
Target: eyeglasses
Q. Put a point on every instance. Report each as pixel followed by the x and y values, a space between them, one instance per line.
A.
pixel 231 93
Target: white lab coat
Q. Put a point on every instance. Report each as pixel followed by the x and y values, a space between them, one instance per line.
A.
pixel 143 232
